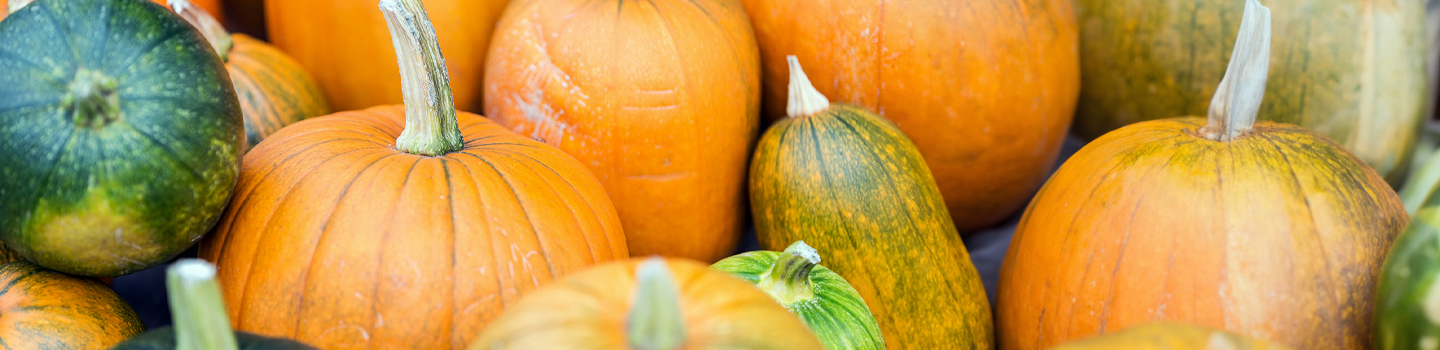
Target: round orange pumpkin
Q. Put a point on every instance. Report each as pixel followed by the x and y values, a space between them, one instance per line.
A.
pixel 985 88
pixel 1268 230
pixel 402 227
pixel 343 44
pixel 651 304
pixel 659 98
pixel 49 310
pixel 1165 335
pixel 273 90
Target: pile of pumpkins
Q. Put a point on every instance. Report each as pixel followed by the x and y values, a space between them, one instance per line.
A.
pixel 626 145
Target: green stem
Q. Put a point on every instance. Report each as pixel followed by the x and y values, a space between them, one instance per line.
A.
pixel 1237 100
pixel 210 28
pixel 430 126
pixel 197 308
pixel 804 99
pixel 788 281
pixel 655 322
pixel 92 99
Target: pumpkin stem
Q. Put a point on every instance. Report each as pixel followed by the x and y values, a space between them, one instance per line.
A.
pixel 430 126
pixel 1237 100
pixel 197 308
pixel 789 280
pixel 804 99
pixel 92 99
pixel 210 28
pixel 655 322
pixel 15 5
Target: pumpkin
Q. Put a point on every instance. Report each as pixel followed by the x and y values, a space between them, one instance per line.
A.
pixel 1407 310
pixel 346 229
pixel 824 300
pixel 212 8
pixel 660 99
pixel 342 44
pixel 120 135
pixel 1164 335
pixel 1353 70
pixel 1264 229
pixel 46 310
pixel 274 91
pixel 654 304
pixel 985 88
pixel 199 317
pixel 850 184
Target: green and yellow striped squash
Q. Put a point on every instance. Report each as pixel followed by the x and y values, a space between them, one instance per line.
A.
pixel 820 297
pixel 1407 312
pixel 1353 70
pixel 850 184
pixel 46 310
pixel 120 135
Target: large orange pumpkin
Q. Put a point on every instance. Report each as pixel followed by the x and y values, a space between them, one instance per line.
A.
pixel 651 304
pixel 402 227
pixel 343 43
pixel 273 90
pixel 985 88
pixel 660 98
pixel 1274 232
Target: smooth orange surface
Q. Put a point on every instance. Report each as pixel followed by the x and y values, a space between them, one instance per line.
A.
pixel 1278 235
pixel 336 239
pixel 346 46
pixel 660 99
pixel 588 310
pixel 985 88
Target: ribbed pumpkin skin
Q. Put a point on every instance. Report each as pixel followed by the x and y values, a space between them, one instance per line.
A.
pixel 588 310
pixel 837 314
pixel 1170 336
pixel 660 99
pixel 345 45
pixel 985 88
pixel 1406 309
pixel 46 310
pixel 336 239
pixel 273 90
pixel 107 200
pixel 882 223
pixel 1353 70
pixel 1278 235
pixel 164 339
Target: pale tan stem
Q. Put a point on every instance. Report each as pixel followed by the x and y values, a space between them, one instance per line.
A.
pixel 1237 101
pixel 430 126
pixel 804 99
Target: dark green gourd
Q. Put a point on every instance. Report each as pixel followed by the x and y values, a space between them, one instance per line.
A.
pixel 120 135
pixel 1407 312
pixel 853 186
pixel 820 297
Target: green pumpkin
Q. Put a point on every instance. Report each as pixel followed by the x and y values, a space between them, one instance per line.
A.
pixel 824 300
pixel 120 135
pixel 1353 70
pixel 850 184
pixel 1407 312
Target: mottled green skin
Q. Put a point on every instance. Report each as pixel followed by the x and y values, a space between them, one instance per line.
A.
pixel 1353 70
pixel 851 185
pixel 133 193
pixel 164 339
pixel 1408 309
pixel 837 314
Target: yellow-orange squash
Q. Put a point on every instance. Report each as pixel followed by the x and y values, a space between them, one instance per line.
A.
pixel 659 98
pixel 402 227
pixel 985 88
pixel 273 90
pixel 1170 336
pixel 651 304
pixel 343 44
pixel 1266 230
pixel 48 310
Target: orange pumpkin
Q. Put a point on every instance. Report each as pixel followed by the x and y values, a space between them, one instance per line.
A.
pixel 1165 335
pixel 659 98
pixel 48 310
pixel 402 227
pixel 654 304
pixel 985 88
pixel 1267 230
pixel 343 44
pixel 273 90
